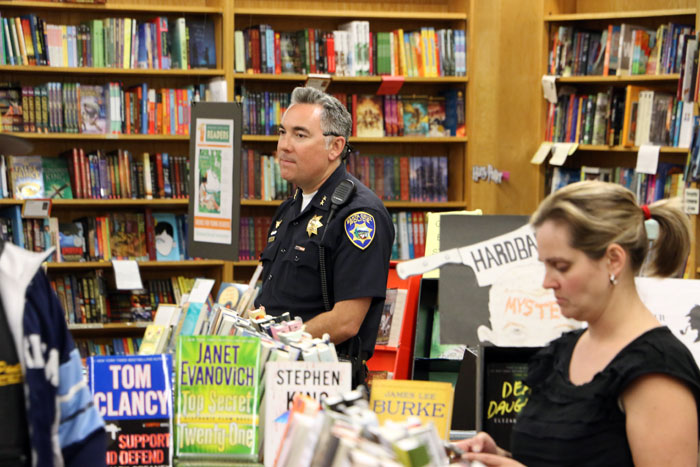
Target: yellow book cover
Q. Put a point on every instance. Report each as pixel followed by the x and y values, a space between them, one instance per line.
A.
pixel 126 56
pixel 154 339
pixel 430 401
pixel 629 123
pixel 370 118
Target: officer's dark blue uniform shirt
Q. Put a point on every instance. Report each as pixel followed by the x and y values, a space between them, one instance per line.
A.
pixel 357 248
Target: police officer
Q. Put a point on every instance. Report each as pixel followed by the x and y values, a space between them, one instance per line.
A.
pixel 315 236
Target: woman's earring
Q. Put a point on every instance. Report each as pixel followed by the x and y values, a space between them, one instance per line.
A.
pixel 613 279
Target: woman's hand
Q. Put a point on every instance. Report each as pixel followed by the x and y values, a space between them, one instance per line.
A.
pixel 491 460
pixel 483 448
pixel 482 442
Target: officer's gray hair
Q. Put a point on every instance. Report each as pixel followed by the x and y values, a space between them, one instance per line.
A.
pixel 335 118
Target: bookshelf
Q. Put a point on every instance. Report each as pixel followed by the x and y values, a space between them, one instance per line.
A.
pixel 596 15
pixel 51 144
pixel 228 16
pixel 286 17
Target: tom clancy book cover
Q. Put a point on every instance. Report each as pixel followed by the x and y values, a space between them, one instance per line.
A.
pixel 217 398
pixel 133 393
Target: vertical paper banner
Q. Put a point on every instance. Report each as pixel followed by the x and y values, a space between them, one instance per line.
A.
pixel 213 172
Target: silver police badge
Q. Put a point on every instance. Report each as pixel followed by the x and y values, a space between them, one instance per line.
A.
pixel 360 228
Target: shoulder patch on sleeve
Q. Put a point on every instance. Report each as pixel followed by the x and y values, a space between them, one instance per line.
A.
pixel 360 229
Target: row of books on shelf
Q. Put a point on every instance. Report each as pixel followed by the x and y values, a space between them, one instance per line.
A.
pixel 409 227
pixel 619 50
pixel 627 117
pixel 119 235
pixel 96 175
pixel 57 107
pixel 351 50
pixel 409 242
pixel 402 178
pixel 161 43
pixel 91 298
pixel 372 115
pixel 667 182
pixel 105 346
pixel 261 177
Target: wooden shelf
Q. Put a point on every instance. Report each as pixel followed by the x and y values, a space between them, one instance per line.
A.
pixel 113 7
pixel 99 137
pixel 378 139
pixel 107 326
pixel 354 14
pixel 621 15
pixel 92 330
pixel 99 203
pixel 425 205
pixel 142 264
pixel 246 263
pixel 672 78
pixel 665 149
pixel 202 72
pixel 347 79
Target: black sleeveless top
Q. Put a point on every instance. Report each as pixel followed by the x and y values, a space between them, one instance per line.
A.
pixel 564 424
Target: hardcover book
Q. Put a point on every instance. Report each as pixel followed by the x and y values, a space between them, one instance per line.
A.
pixel 217 398
pixel 370 120
pixel 201 43
pixel 56 178
pixel 284 380
pixel 430 401
pixel 134 396
pixel 166 237
pixel 26 177
pixel 415 117
pixel 92 109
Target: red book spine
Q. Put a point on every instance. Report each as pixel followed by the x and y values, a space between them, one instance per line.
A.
pixel 159 171
pixel 150 235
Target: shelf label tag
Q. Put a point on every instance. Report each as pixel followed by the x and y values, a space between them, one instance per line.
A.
pixel 391 85
pixel 691 201
pixel 127 275
pixel 542 153
pixel 561 152
pixel 36 209
pixel 647 159
pixel 549 87
pixel 318 81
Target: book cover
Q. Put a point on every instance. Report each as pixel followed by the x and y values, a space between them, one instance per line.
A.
pixel 430 401
pixel 201 44
pixel 217 398
pixel 56 178
pixel 155 337
pixel 72 241
pixel 284 380
pixel 125 239
pixel 26 177
pixel 385 321
pixel 166 237
pixel 415 116
pixel 370 120
pixel 92 109
pixel 505 394
pixel 436 118
pixel 134 396
pixel 230 294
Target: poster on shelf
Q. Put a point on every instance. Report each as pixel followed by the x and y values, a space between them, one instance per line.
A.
pixel 214 208
pixel 498 298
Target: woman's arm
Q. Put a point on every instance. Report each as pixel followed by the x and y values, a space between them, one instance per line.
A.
pixel 662 422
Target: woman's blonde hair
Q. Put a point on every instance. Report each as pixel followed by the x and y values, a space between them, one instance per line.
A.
pixel 599 214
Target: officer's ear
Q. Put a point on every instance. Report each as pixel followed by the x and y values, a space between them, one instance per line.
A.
pixel 337 146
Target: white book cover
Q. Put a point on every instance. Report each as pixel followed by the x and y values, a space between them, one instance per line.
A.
pixel 285 379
